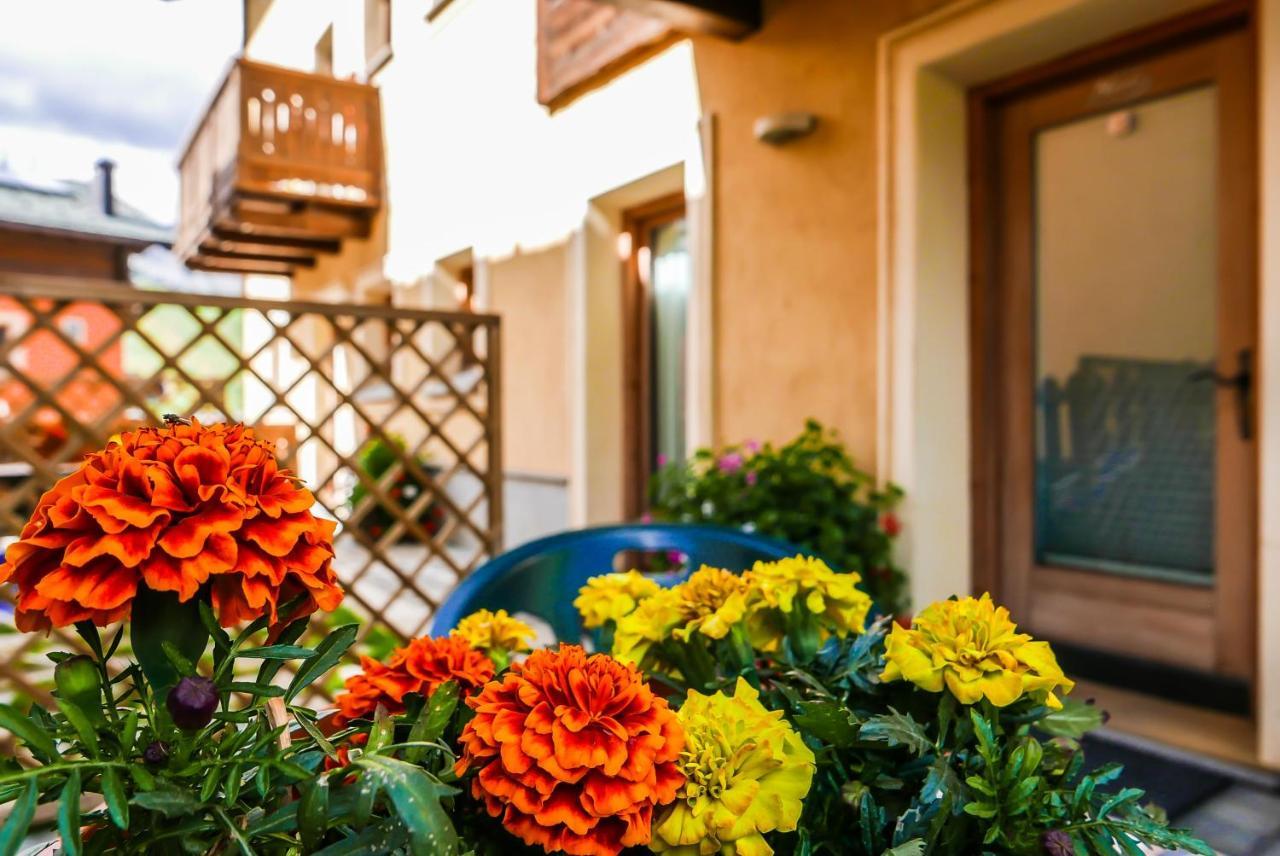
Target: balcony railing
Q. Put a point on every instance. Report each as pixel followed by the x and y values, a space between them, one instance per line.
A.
pixel 283 166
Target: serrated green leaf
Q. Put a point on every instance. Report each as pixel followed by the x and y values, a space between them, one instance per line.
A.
pixel 14 831
pixel 829 721
pixel 327 655
pixel 1076 719
pixel 897 729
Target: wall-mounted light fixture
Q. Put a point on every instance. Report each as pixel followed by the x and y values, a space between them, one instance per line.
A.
pixel 779 129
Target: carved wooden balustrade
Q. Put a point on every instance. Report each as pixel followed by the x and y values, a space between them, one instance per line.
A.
pixel 282 167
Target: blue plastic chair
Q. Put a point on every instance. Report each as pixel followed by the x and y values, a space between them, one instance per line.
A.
pixel 542 577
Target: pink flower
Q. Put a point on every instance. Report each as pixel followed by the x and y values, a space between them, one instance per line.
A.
pixel 646 517
pixel 752 446
pixel 730 463
pixel 752 478
pixel 662 460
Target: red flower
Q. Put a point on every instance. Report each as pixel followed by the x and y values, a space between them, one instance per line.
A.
pixel 573 751
pixel 418 667
pixel 173 509
pixel 890 524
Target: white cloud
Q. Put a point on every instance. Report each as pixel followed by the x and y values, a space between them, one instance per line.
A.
pixel 126 79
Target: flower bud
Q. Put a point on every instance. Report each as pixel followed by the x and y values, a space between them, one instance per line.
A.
pixel 1055 842
pixel 156 753
pixel 79 681
pixel 192 702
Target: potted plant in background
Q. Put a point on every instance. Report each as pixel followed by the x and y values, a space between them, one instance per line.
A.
pixel 375 459
pixel 808 492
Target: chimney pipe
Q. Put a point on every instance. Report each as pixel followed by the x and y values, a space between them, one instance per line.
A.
pixel 103 186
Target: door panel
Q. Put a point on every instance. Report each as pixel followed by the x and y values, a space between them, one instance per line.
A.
pixel 1122 297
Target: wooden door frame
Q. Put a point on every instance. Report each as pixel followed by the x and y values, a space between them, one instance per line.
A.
pixel 988 330
pixel 638 224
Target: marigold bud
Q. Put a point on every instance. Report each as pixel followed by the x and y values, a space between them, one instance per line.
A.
pixel 79 681
pixel 192 702
pixel 156 753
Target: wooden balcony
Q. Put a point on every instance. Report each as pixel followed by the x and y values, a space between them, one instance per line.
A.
pixel 283 167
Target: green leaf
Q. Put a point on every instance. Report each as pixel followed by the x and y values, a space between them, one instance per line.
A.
pixel 416 797
pixel 169 802
pixel 69 815
pixel 159 617
pixel 1076 719
pixel 327 655
pixel 387 837
pixel 128 732
pixel 236 834
pixel 113 792
pixel 181 664
pixel 276 652
pixel 914 847
pixel 221 639
pixel 84 728
pixel 433 720
pixel 897 729
pixel 14 831
pixel 313 813
pixel 263 690
pixel 829 721
pixel 292 633
pixel 40 742
pixel 314 732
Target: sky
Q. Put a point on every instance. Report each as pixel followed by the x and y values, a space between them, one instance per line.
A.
pixel 124 79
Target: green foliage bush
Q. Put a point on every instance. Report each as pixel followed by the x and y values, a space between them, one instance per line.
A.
pixel 808 492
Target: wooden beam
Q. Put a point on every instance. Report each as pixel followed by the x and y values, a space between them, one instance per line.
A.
pixel 730 19
pixel 310 222
pixel 266 245
pixel 302 260
pixel 219 264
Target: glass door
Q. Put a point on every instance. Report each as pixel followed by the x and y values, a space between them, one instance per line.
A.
pixel 1118 329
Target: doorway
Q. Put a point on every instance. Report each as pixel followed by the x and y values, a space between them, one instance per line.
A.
pixel 1114 334
pixel 657 285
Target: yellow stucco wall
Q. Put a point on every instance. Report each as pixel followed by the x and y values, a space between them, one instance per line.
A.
pixel 527 289
pixel 795 238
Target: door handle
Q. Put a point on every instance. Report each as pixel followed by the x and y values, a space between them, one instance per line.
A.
pixel 1241 382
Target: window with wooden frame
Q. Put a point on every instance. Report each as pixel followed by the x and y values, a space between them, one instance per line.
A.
pixel 656 285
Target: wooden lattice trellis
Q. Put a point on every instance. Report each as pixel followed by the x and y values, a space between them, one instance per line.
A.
pixel 391 416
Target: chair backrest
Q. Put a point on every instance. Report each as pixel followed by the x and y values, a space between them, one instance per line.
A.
pixel 542 577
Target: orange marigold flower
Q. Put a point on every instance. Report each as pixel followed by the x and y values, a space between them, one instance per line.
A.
pixel 418 667
pixel 173 509
pixel 573 751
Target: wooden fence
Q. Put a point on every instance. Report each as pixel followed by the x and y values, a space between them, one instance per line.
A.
pixel 391 416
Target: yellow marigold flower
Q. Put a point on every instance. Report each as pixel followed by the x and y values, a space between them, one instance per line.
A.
pixel 612 597
pixel 838 606
pixel 652 622
pixel 747 773
pixel 712 600
pixel 495 631
pixel 972 648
